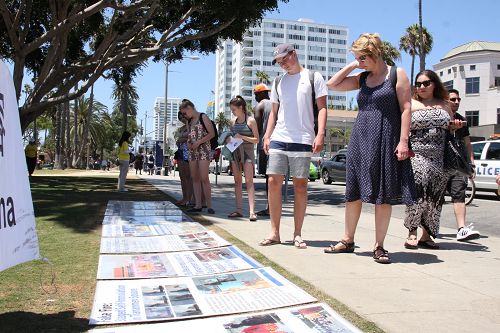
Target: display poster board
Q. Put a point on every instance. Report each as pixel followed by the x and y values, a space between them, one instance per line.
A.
pixel 148 230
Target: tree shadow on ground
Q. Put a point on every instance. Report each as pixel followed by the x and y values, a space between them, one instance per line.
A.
pixel 21 321
pixel 80 202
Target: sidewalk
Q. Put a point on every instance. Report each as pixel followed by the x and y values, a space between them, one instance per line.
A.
pixel 454 289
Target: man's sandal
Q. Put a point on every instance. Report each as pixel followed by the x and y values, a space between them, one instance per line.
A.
pixel 235 214
pixel 381 255
pixel 269 242
pixel 348 247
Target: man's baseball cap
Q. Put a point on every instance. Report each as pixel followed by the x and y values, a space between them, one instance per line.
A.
pixel 260 88
pixel 281 51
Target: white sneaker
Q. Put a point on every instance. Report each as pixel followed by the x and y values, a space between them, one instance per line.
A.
pixel 466 233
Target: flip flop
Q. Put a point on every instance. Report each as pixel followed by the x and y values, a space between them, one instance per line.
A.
pixel 269 242
pixel 234 215
pixel 253 217
pixel 264 212
pixel 411 246
pixel 428 244
pixel 300 244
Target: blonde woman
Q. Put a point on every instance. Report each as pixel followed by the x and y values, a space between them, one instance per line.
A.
pixel 378 169
pixel 245 128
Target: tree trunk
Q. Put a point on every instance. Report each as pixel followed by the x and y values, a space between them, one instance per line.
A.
pixel 80 161
pixel 57 158
pixel 74 163
pixel 123 109
pixel 421 37
pixel 68 135
pixel 412 77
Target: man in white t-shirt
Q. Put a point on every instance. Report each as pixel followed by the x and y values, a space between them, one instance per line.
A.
pixel 290 138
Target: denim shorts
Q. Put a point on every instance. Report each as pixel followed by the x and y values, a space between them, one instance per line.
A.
pixel 295 157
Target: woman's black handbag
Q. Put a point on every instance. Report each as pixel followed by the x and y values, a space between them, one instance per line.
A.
pixel 455 157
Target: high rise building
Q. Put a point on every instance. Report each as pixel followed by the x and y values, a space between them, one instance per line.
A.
pixel 172 121
pixel 320 47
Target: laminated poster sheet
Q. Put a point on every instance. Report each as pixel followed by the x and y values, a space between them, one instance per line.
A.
pixel 168 243
pixel 119 204
pixel 144 220
pixel 312 318
pixel 166 265
pixel 148 230
pixel 129 301
pixel 142 208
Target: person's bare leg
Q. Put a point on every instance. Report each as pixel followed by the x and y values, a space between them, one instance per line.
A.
pixel 248 168
pixel 299 209
pixel 459 208
pixel 382 219
pixel 352 214
pixel 238 186
pixel 205 182
pixel 195 176
pixel 275 205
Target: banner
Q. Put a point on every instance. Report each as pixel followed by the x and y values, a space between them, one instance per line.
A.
pixel 313 318
pixel 165 265
pixel 168 243
pixel 18 238
pixel 131 301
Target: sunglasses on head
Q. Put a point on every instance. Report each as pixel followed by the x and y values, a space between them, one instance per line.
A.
pixel 425 83
pixel 455 99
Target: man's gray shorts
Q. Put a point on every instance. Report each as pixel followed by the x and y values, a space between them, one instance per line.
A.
pixel 279 162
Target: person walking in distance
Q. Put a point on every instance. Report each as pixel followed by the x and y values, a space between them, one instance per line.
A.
pixel 458 184
pixel 30 152
pixel 151 163
pixel 124 158
pixel 261 114
pixel 290 137
pixel 378 169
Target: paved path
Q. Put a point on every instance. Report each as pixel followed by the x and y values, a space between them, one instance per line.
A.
pixel 455 289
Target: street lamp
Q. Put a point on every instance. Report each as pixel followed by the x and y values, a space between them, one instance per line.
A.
pixel 165 118
pixel 345 130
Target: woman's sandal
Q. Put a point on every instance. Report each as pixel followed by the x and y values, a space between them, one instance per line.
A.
pixel 348 247
pixel 411 243
pixel 235 215
pixel 381 255
pixel 253 217
pixel 428 244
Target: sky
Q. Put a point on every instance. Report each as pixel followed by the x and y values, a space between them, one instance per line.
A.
pixel 451 22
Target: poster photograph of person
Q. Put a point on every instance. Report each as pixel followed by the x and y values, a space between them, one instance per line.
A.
pixel 148 230
pixel 129 301
pixel 115 206
pixel 322 320
pixel 144 220
pixel 167 243
pixel 164 265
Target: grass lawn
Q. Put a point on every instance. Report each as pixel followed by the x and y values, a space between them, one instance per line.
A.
pixel 69 211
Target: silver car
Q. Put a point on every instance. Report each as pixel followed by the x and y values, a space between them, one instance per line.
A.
pixel 333 170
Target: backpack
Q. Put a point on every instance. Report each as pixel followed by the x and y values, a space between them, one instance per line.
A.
pixel 151 158
pixel 313 95
pixel 213 141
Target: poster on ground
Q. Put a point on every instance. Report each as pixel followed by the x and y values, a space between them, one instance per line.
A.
pixel 148 230
pixel 311 318
pixel 165 265
pixel 167 243
pixel 144 220
pixel 129 301
pixel 142 208
pixel 18 238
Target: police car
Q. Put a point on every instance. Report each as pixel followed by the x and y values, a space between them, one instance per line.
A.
pixel 487 161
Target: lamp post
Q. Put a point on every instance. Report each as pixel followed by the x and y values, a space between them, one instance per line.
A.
pixel 345 130
pixel 165 117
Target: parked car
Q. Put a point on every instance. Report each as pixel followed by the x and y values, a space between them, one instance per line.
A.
pixel 487 161
pixel 313 172
pixel 333 170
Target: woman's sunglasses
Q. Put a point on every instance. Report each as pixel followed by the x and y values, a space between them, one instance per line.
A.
pixel 425 83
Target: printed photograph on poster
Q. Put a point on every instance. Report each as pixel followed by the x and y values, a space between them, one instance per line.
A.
pixel 146 212
pixel 128 301
pixel 148 230
pixel 143 220
pixel 167 243
pixel 322 320
pixel 164 265
pixel 117 205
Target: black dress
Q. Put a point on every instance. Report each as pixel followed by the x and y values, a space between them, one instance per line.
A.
pixel 373 173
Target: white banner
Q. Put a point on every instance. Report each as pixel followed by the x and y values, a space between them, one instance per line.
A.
pixel 18 239
pixel 148 230
pixel 165 265
pixel 177 298
pixel 168 243
pixel 312 318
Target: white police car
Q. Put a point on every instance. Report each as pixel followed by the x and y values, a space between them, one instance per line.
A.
pixel 487 161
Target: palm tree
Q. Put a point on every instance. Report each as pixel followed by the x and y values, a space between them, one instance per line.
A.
pixel 222 122
pixel 124 92
pixel 390 53
pixel 409 43
pixel 263 77
pixel 422 41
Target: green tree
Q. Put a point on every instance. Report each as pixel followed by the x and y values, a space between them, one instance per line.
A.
pixel 390 54
pixel 263 77
pixel 68 44
pixel 409 43
pixel 125 93
pixel 222 122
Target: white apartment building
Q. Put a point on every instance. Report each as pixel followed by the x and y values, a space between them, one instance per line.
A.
pixel 320 47
pixel 172 120
pixel 474 70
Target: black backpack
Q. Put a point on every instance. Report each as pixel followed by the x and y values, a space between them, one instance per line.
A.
pixel 315 105
pixel 213 141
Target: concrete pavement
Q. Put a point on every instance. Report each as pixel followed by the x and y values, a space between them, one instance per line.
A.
pixel 454 289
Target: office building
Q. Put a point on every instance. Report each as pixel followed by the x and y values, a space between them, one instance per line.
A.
pixel 320 47
pixel 172 121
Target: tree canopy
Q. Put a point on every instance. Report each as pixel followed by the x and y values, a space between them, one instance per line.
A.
pixel 67 45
